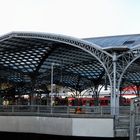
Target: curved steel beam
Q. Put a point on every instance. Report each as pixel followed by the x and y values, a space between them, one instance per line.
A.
pixel 82 44
pixel 96 51
pixel 127 59
pixel 103 57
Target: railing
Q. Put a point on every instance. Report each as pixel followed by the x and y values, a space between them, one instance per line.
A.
pixel 121 122
pixel 61 110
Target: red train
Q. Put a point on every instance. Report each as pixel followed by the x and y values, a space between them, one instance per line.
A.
pixel 102 101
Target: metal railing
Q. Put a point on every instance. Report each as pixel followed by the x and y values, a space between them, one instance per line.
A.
pixel 121 122
pixel 63 110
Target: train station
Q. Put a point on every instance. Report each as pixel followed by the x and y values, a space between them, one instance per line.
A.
pixel 37 67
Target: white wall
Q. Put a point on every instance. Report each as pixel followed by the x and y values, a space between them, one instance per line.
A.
pixel 92 127
pixel 59 126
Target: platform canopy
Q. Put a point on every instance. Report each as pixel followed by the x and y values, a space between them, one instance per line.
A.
pixel 28 58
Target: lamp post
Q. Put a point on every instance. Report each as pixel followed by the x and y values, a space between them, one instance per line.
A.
pixel 52 69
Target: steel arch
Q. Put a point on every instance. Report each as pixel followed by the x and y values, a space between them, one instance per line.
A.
pixel 127 59
pixel 96 51
pixel 103 57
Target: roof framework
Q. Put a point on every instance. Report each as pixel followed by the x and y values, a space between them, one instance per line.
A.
pixel 80 64
pixel 30 56
pixel 127 49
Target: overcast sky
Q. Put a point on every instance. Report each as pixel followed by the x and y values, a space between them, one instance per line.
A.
pixel 78 18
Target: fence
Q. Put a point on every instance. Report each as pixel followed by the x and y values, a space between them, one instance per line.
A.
pixel 63 110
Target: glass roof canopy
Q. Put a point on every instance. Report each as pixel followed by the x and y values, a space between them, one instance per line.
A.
pixel 32 57
pixel 121 40
pixel 26 58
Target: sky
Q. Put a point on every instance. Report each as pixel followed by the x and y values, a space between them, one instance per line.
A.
pixel 76 18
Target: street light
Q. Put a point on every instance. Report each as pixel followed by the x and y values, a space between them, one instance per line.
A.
pixel 52 67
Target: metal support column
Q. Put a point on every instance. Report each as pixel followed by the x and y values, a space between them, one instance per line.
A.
pixel 52 71
pixel 132 121
pixel 52 84
pixel 113 96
